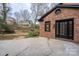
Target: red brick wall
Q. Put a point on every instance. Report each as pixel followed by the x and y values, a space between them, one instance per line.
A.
pixel 65 14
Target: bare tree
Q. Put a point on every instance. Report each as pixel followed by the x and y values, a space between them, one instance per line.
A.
pixel 25 15
pixel 17 15
pixel 52 5
pixel 38 9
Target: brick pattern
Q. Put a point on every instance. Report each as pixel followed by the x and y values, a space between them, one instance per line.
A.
pixel 65 14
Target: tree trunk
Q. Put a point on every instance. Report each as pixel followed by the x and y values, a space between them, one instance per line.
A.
pixel 4 12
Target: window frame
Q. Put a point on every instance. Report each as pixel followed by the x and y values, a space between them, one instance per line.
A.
pixel 49 24
pixel 57 11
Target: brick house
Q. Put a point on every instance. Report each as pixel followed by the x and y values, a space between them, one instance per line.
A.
pixel 62 21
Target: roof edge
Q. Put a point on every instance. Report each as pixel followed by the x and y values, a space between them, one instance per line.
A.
pixel 41 19
pixel 60 5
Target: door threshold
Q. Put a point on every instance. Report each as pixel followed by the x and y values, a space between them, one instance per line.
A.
pixel 63 39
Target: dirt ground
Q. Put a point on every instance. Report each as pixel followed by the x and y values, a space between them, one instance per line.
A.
pixel 17 34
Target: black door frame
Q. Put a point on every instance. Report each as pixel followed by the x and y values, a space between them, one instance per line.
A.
pixel 63 20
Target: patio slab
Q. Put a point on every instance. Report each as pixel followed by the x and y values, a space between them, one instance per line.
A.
pixel 39 46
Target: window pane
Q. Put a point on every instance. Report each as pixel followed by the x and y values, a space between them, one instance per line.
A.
pixel 57 25
pixel 61 28
pixel 65 28
pixel 70 28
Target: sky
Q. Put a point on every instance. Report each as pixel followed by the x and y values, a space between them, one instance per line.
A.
pixel 16 7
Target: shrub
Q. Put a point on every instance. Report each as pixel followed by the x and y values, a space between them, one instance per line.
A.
pixel 33 33
pixel 7 28
pixel 1 19
pixel 36 26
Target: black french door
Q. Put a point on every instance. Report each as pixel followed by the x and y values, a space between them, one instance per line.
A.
pixel 64 28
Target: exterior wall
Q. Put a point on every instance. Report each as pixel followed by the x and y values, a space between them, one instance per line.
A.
pixel 65 14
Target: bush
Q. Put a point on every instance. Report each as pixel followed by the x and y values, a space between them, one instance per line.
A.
pixel 7 28
pixel 1 19
pixel 36 26
pixel 33 33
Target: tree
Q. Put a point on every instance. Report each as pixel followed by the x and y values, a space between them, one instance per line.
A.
pixel 38 9
pixel 53 5
pixel 5 11
pixel 17 15
pixel 25 15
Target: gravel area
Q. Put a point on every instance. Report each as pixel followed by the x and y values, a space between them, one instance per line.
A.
pixel 39 46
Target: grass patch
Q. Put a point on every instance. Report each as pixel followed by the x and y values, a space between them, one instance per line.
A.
pixel 6 29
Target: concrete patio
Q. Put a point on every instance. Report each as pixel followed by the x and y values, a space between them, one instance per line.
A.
pixel 39 46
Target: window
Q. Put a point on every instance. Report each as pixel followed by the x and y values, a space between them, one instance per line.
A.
pixel 47 26
pixel 57 11
pixel 64 28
